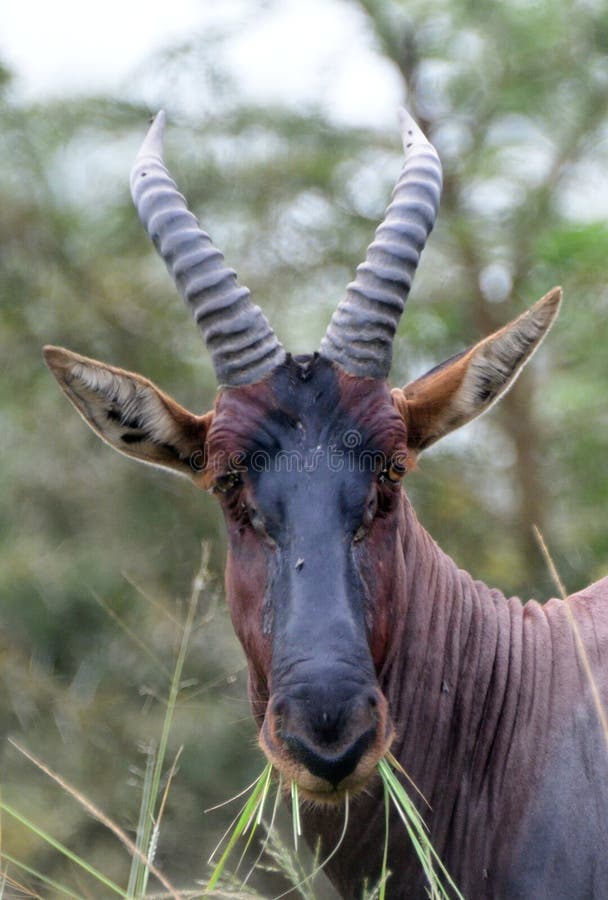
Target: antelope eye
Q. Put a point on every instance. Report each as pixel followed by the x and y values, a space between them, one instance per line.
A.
pixel 396 469
pixel 226 482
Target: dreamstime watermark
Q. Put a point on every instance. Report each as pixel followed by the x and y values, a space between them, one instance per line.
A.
pixel 348 454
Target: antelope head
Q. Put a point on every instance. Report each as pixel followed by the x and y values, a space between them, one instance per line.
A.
pixel 306 456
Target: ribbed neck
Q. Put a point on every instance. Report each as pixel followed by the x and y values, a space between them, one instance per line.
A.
pixel 456 681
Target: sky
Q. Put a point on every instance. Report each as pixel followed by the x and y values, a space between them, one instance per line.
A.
pixel 66 46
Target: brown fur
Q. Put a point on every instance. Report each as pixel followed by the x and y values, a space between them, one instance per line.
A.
pixel 424 404
pixel 239 413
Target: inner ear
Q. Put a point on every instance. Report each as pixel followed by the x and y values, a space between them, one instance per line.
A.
pixel 131 414
pixel 463 387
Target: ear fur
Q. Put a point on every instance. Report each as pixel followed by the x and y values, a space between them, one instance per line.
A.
pixel 130 413
pixel 463 387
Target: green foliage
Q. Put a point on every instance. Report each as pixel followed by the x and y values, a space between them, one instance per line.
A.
pixel 514 96
pixel 440 884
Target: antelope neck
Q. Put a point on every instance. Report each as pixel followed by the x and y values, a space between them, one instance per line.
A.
pixel 469 708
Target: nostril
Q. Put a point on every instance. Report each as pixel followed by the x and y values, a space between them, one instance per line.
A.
pixel 372 701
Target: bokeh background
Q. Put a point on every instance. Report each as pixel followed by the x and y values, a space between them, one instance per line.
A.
pixel 283 136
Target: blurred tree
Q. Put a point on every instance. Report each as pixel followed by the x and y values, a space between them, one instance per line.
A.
pixel 516 102
pixel 514 95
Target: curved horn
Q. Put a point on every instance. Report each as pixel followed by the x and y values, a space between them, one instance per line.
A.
pixel 360 335
pixel 243 346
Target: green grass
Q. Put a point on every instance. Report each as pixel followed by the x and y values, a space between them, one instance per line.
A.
pixel 65 851
pixel 440 884
pixel 142 851
pixel 250 818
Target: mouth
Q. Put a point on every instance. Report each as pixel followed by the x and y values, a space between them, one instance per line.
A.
pixel 298 766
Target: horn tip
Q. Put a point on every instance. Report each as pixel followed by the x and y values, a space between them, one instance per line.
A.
pixel 411 133
pixel 150 150
pixel 158 121
pixel 153 142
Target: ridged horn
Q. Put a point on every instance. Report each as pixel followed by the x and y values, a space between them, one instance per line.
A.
pixel 360 335
pixel 244 348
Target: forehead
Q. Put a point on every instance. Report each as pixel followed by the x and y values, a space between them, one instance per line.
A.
pixel 306 406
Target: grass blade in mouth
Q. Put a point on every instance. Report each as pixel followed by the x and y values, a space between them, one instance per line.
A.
pixel 384 874
pixel 269 831
pixel 249 817
pixel 330 856
pixel 258 817
pixel 295 814
pixel 440 882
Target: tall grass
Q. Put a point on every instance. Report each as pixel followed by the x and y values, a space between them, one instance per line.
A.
pixel 143 850
pixel 246 825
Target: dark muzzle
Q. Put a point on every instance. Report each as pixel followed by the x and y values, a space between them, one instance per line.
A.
pixel 327 726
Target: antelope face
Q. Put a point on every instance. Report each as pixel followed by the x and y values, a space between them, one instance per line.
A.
pixel 307 480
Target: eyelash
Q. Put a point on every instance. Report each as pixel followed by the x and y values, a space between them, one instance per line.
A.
pixel 394 471
pixel 226 483
pixel 230 486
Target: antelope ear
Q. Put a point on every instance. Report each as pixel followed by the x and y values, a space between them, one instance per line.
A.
pixel 463 387
pixel 132 414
